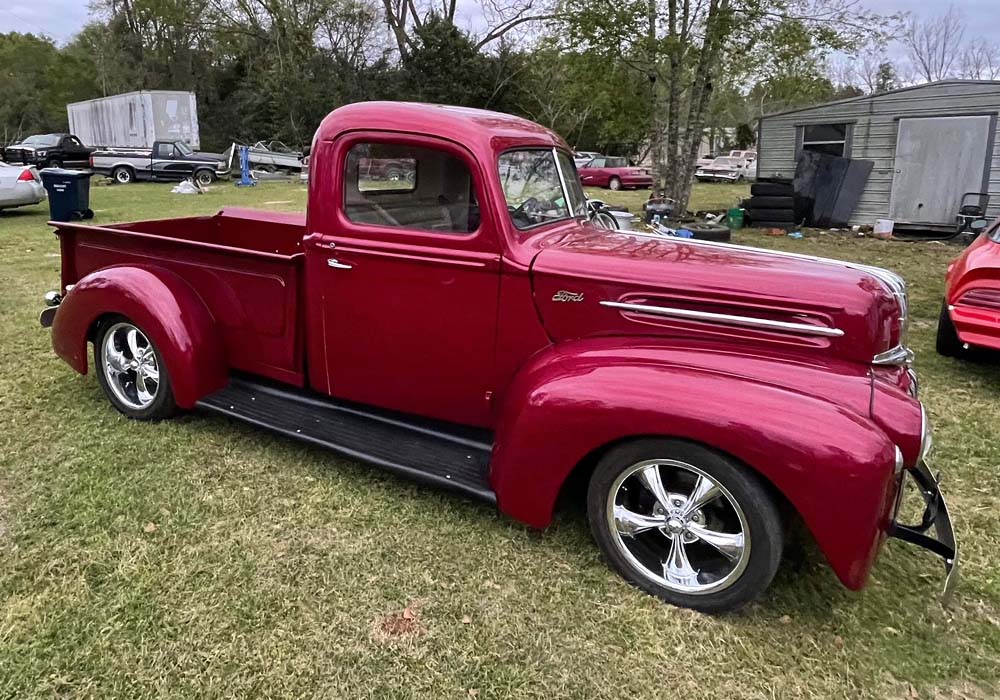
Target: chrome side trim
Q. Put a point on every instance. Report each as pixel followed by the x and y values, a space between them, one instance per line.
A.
pixel 892 282
pixel 729 319
pixel 898 355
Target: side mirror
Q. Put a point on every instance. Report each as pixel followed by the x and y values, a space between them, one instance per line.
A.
pixel 978 225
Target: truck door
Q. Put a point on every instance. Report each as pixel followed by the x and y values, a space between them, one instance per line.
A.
pixel 402 276
pixel 164 165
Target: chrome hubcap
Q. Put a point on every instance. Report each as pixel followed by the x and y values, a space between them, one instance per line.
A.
pixel 130 366
pixel 678 527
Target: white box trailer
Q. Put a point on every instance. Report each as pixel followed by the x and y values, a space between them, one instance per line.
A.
pixel 136 119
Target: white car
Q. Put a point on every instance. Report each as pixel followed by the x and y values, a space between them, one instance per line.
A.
pixel 705 160
pixel 727 169
pixel 20 186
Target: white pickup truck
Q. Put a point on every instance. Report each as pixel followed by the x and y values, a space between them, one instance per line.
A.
pixel 165 161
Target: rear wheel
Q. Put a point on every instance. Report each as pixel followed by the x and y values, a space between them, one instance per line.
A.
pixel 614 183
pixel 131 372
pixel 53 163
pixel 948 342
pixel 122 175
pixel 685 524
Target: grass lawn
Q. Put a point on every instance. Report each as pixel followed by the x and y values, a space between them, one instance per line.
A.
pixel 201 558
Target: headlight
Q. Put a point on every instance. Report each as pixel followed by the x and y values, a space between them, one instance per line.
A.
pixel 41 154
pixel 926 437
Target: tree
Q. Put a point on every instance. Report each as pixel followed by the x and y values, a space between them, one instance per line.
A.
pixel 980 60
pixel 934 44
pixel 685 48
pixel 37 81
pixel 587 99
pixel 444 66
pixel 405 18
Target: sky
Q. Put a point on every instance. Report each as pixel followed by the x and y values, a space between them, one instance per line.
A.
pixel 60 19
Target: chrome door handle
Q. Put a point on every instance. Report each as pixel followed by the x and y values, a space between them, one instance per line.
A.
pixel 334 263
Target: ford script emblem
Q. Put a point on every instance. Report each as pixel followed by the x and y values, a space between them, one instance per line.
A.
pixel 563 295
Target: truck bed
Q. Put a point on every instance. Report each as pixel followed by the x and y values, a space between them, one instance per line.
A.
pixel 246 265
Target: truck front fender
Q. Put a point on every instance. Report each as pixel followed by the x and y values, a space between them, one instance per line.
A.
pixel 166 308
pixel 827 458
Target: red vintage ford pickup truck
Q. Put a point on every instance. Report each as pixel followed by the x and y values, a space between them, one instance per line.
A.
pixel 466 325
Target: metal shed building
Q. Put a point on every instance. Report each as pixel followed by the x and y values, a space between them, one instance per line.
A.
pixel 930 144
pixel 136 119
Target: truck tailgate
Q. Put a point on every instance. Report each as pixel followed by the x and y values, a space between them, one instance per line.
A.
pixel 247 267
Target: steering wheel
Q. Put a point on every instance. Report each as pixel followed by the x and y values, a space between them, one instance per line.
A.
pixel 525 208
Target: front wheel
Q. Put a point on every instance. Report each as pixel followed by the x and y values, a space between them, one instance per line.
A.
pixel 947 342
pixel 131 372
pixel 204 177
pixel 686 524
pixel 614 183
pixel 53 163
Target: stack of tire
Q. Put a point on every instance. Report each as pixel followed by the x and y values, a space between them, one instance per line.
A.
pixel 772 205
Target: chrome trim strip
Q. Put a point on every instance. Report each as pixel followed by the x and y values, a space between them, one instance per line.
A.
pixel 893 282
pixel 710 317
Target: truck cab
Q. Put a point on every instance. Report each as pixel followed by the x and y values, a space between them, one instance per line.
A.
pixel 446 310
pixel 49 151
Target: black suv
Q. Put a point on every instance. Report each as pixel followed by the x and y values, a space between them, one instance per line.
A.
pixel 49 151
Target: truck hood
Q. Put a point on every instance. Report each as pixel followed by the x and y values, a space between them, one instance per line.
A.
pixel 590 282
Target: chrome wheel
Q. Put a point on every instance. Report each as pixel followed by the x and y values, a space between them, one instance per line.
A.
pixel 130 366
pixel 678 527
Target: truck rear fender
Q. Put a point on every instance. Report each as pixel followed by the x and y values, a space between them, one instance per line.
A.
pixel 831 462
pixel 161 303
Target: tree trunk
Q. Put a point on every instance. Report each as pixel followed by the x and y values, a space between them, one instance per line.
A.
pixel 655 92
pixel 701 94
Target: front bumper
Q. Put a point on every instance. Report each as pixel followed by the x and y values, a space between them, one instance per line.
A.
pixel 935 515
pixel 48 315
pixel 718 177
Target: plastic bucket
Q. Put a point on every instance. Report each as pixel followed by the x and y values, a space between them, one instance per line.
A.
pixel 735 218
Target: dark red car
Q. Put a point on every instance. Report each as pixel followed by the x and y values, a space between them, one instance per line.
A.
pixel 471 329
pixel 614 173
pixel 970 314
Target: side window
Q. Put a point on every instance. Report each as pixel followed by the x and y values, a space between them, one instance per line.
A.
pixel 410 187
pixel 74 141
pixel 165 150
pixel 832 139
pixel 596 163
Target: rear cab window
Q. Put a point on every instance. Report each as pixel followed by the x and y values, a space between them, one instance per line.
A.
pixel 409 187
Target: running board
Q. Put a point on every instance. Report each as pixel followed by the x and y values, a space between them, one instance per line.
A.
pixel 432 452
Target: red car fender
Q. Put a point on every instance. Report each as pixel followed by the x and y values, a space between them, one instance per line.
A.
pixel 976 270
pixel 834 466
pixel 166 308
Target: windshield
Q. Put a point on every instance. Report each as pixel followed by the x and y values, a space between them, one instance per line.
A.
pixel 183 149
pixel 727 161
pixel 42 140
pixel 534 190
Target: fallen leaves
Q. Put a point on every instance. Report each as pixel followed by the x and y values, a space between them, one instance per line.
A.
pixel 398 625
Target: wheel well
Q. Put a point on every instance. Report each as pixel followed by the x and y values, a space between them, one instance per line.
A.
pixel 574 489
pixel 96 324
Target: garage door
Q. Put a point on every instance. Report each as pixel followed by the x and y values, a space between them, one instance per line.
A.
pixel 937 161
